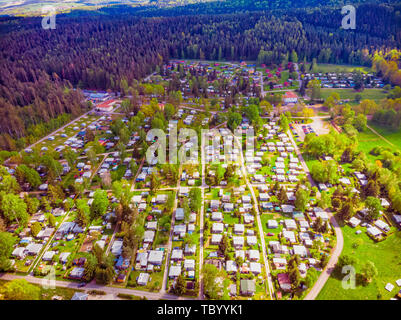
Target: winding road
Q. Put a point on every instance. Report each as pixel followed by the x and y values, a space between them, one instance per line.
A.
pixel 336 252
pixel 325 275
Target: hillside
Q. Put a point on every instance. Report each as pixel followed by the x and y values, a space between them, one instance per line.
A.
pixel 34 7
pixel 40 69
pixel 170 7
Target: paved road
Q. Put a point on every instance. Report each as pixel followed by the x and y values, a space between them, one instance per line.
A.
pixel 54 132
pixel 136 175
pixel 339 235
pixel 261 234
pixel 324 276
pixel 149 76
pixel 202 212
pixel 201 220
pixel 299 75
pixel 201 110
pixel 303 163
pixel 170 239
pixel 94 286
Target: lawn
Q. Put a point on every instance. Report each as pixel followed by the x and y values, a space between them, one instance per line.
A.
pixel 385 255
pixel 264 218
pixel 394 136
pixel 337 68
pixel 368 140
pixel 156 279
pixel 48 294
pixel 309 160
pixel 230 218
pixel 372 94
pixel 213 195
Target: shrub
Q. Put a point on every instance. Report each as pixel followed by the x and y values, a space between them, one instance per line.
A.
pixel 129 296
pixel 97 292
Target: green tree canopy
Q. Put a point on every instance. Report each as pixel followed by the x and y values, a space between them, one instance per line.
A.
pixel 20 289
pixel 14 208
pixel 99 205
pixel 7 241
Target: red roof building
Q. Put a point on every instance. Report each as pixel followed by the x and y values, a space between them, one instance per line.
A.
pixel 106 106
pixel 284 281
pixel 290 97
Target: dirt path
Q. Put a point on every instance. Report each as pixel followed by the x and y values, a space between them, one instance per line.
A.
pixel 381 137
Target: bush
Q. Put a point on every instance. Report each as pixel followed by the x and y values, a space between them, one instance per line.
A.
pixel 336 203
pixel 35 228
pixel 358 242
pixel 129 296
pixel 120 234
pixel 52 220
pixel 97 293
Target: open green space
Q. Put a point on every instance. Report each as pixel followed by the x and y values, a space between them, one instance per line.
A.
pixel 386 259
pixel 369 140
pixel 394 136
pixel 48 294
pixel 372 94
pixel 339 68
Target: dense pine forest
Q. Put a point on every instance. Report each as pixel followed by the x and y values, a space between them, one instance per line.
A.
pixel 41 69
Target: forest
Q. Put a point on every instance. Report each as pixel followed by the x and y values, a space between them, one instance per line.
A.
pixel 173 8
pixel 43 70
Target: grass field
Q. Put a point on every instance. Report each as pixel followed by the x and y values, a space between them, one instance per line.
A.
pixel 368 140
pixel 230 219
pixel 324 68
pixel 372 94
pixel 383 254
pixel 393 136
pixel 47 294
pixel 309 160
